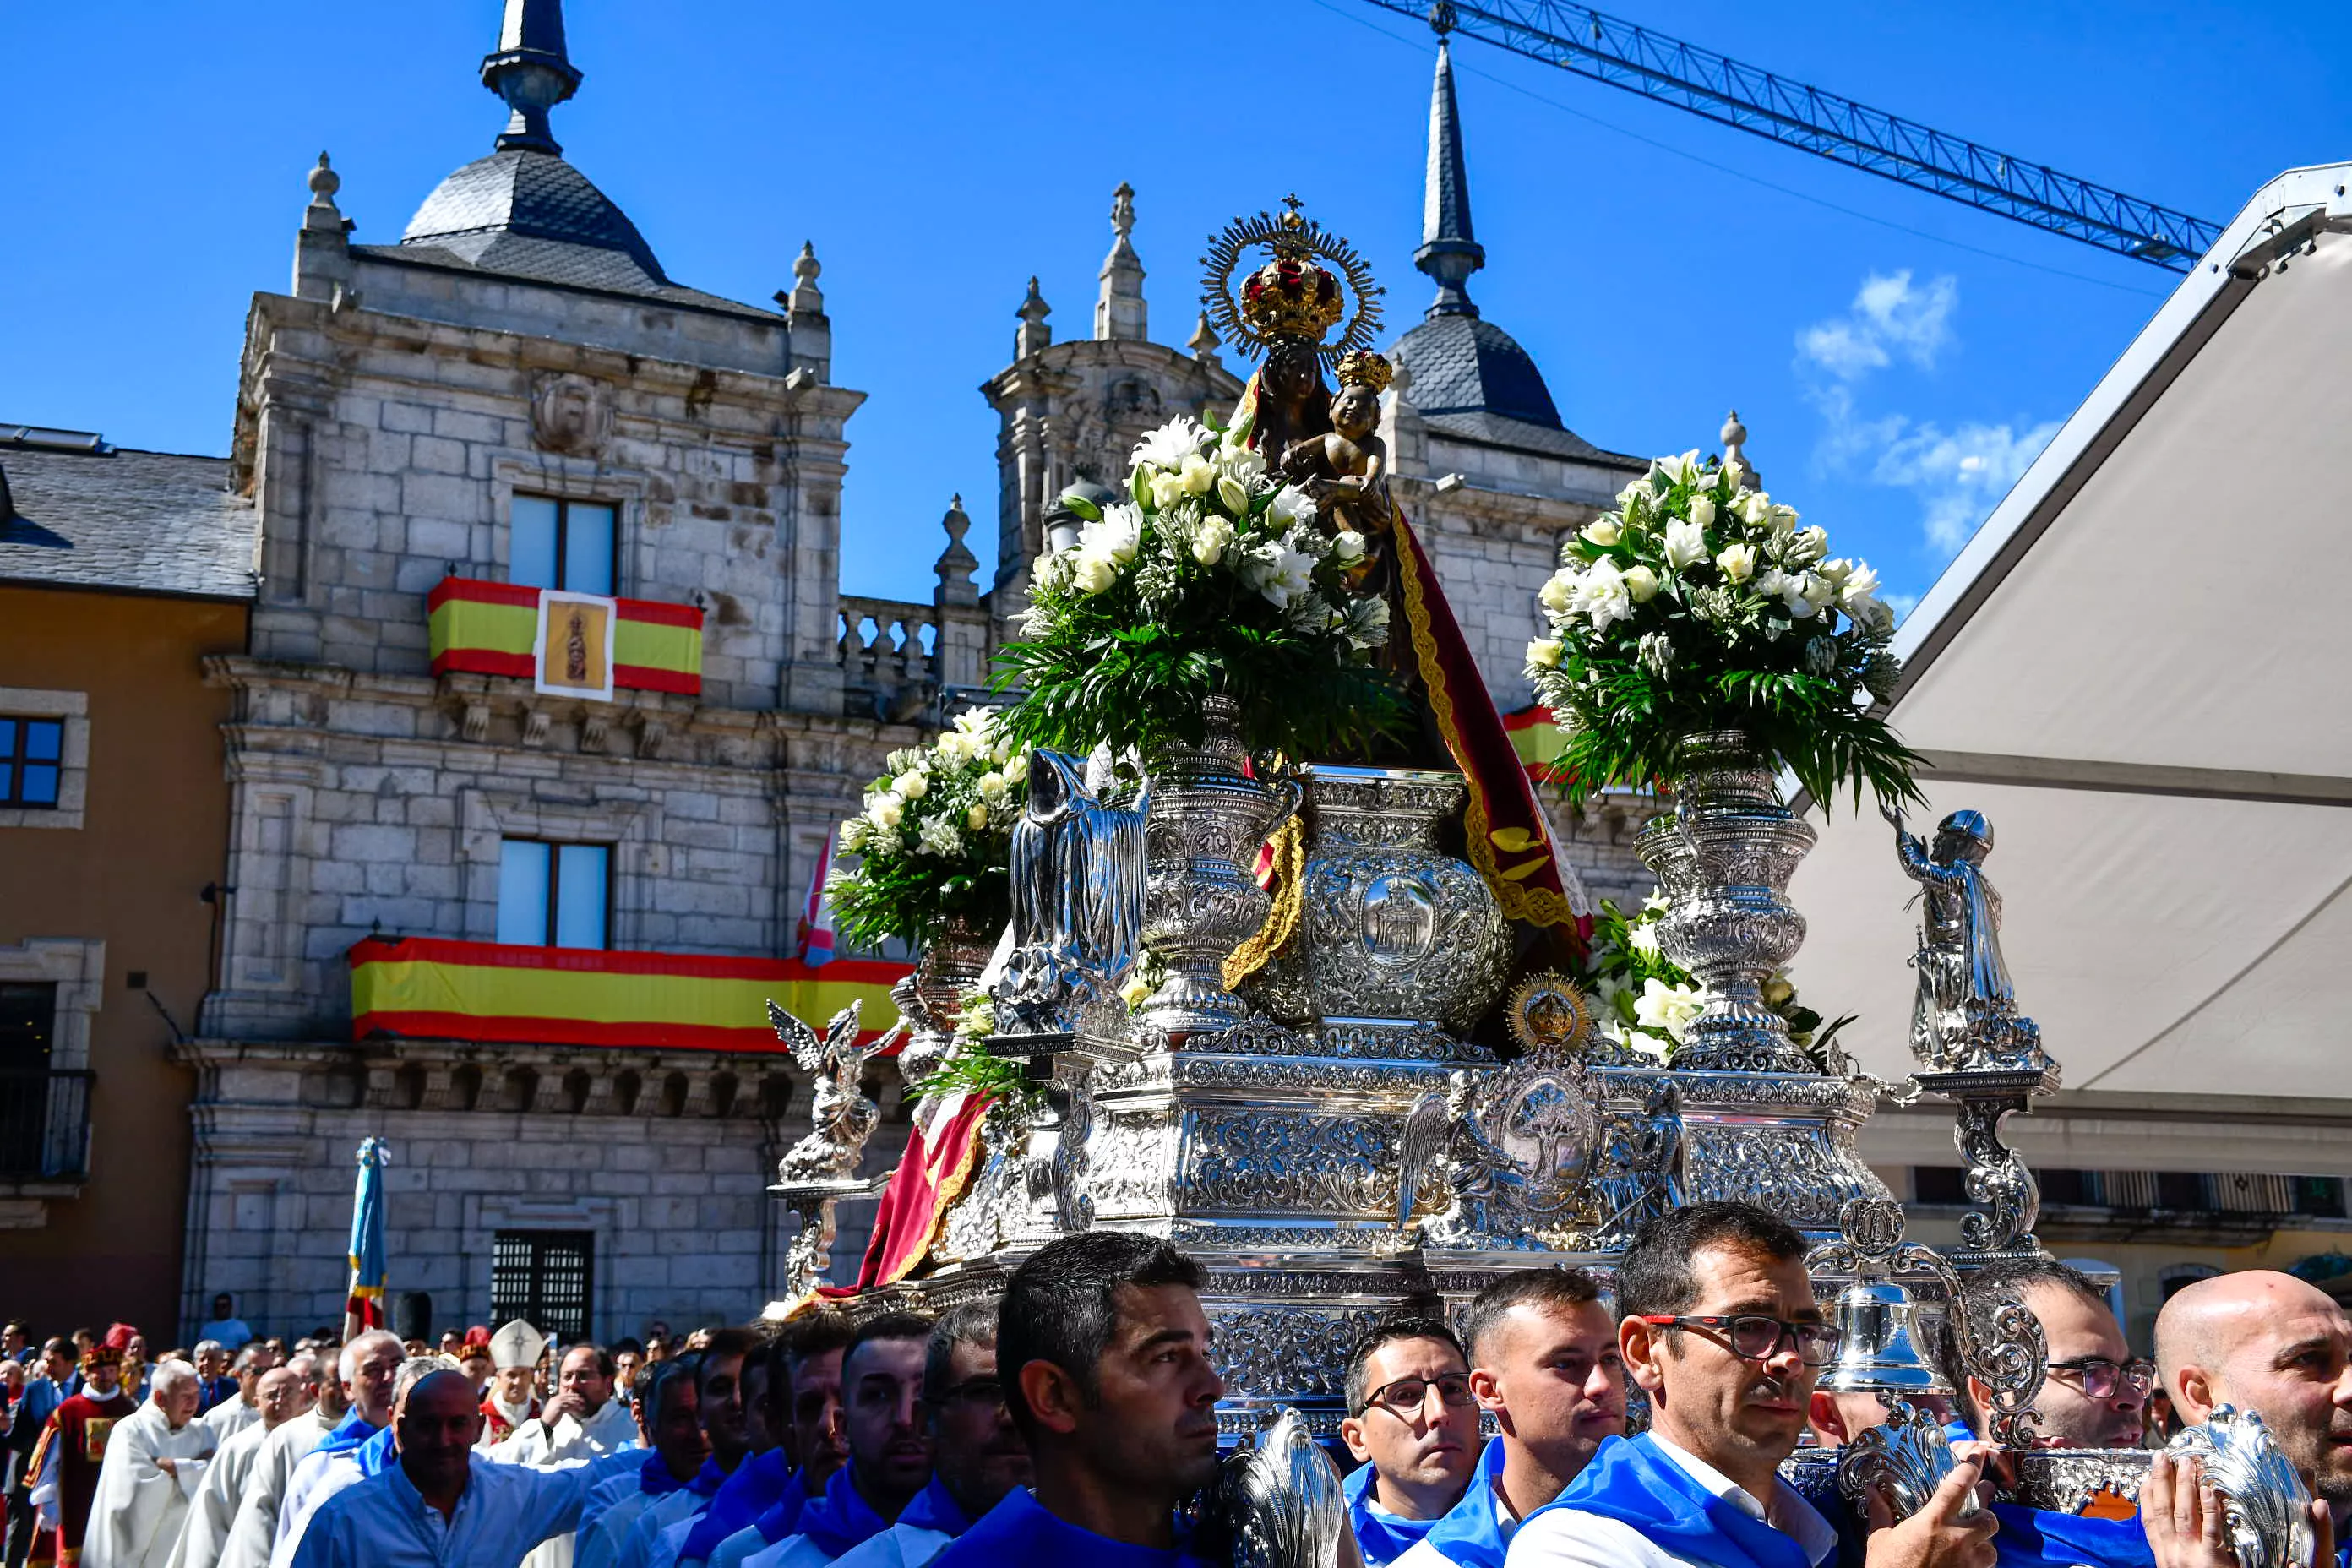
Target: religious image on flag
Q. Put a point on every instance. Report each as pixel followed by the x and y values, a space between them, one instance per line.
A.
pixel 816 915
pixel 365 1308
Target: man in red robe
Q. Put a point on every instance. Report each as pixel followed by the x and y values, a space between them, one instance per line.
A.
pixel 72 1448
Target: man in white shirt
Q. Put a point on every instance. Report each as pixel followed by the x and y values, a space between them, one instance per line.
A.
pixel 582 1421
pixel 1544 1364
pixel 354 1402
pixel 1720 1328
pixel 441 1502
pixel 277 1400
pixel 225 1325
pixel 155 1460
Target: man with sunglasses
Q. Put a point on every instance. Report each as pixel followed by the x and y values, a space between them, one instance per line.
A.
pixel 2095 1396
pixel 1722 1331
pixel 1544 1364
pixel 1412 1424
pixel 980 1457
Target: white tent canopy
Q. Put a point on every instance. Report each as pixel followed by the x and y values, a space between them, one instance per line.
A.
pixel 2138 670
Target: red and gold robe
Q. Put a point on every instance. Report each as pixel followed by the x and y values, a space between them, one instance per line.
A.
pixel 496 1427
pixel 71 1449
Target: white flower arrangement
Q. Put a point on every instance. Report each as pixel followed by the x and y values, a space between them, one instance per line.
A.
pixel 1699 605
pixel 1210 577
pixel 935 836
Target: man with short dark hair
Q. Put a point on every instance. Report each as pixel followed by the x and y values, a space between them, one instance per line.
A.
pixel 813 1346
pixel 1103 1352
pixel 889 1448
pixel 978 1457
pixel 234 1415
pixel 1544 1364
pixel 442 1502
pixel 1412 1424
pixel 719 1389
pixel 670 1423
pixel 1722 1331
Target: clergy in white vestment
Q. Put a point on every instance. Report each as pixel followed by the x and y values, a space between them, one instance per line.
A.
pixel 582 1421
pixel 332 1469
pixel 362 1380
pixel 440 1502
pixel 231 1416
pixel 277 1398
pixel 154 1462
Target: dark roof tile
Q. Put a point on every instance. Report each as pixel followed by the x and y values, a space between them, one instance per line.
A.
pixel 151 522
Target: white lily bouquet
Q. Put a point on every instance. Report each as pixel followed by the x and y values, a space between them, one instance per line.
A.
pixel 1212 578
pixel 1699 605
pixel 935 840
pixel 1646 1003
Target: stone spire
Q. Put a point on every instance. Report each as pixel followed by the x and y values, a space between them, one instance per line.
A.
pixel 1118 307
pixel 1204 343
pixel 1448 252
pixel 531 71
pixel 1735 449
pixel 1033 333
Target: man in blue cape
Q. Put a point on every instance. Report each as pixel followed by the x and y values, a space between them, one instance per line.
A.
pixel 978 1457
pixel 669 1417
pixel 1413 1426
pixel 1544 1364
pixel 1103 1350
pixel 889 1449
pixel 760 1503
pixel 1721 1330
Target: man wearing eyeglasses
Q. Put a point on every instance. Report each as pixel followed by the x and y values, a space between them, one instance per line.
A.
pixel 1412 1424
pixel 2095 1396
pixel 980 1457
pixel 1721 1330
pixel 1544 1364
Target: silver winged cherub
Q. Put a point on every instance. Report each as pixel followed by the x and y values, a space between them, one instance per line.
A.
pixel 841 1119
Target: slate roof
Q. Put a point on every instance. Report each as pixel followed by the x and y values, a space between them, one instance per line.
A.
pixel 529 215
pixel 1463 363
pixel 1517 435
pixel 144 523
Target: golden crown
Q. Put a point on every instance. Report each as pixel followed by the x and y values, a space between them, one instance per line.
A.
pixel 1295 295
pixel 1361 368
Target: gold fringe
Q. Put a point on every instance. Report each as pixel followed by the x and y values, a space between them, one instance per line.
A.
pixel 1289 844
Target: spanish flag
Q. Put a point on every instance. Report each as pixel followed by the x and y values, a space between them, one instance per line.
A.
pixel 431 989
pixel 492 629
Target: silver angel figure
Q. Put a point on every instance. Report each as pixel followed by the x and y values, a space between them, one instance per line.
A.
pixel 1077 897
pixel 1965 1013
pixel 841 1119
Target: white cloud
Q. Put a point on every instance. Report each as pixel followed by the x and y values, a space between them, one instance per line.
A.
pixel 1889 317
pixel 1960 474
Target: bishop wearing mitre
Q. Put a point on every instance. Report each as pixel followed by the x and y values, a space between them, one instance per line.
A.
pixel 512 1396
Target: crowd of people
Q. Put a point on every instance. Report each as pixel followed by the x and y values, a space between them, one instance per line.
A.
pixel 1075 1422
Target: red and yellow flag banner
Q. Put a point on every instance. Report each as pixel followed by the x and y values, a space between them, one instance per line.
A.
pixel 1538 740
pixel 492 629
pixel 428 988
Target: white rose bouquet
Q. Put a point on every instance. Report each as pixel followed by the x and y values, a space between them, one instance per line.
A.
pixel 935 839
pixel 1645 1002
pixel 1209 578
pixel 1699 605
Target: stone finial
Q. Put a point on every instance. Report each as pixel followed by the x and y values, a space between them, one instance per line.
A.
pixel 957 563
pixel 1033 333
pixel 1119 306
pixel 806 298
pixel 322 253
pixel 1204 343
pixel 1735 440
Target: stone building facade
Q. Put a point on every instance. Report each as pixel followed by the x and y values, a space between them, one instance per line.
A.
pixel 400 408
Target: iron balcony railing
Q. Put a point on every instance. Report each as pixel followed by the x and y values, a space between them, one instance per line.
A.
pixel 44 1123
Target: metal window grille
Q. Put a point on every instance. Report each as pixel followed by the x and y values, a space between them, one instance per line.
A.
pixel 546 1278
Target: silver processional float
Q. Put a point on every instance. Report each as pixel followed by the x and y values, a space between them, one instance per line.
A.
pixel 1331 1028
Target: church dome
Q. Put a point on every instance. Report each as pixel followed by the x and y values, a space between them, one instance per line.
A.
pixel 1463 363
pixel 525 211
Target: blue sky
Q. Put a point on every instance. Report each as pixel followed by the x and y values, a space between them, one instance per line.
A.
pixel 1898 358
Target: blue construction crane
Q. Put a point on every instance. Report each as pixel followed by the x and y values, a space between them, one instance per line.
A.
pixel 1606 48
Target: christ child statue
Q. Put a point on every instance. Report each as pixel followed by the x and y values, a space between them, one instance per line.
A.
pixel 1347 470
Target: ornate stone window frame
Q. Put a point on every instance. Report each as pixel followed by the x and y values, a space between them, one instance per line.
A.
pixel 632 828
pixel 73 775
pixel 77 966
pixel 571 479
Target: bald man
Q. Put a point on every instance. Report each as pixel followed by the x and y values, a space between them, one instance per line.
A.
pixel 2269 1343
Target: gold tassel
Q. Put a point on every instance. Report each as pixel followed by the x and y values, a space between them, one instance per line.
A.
pixel 1289 844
